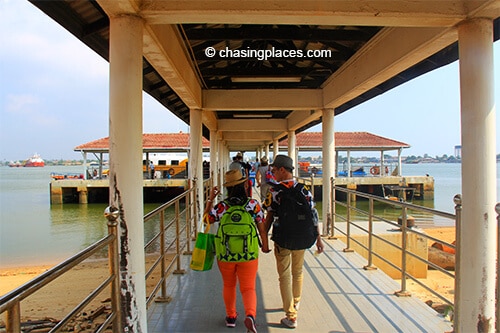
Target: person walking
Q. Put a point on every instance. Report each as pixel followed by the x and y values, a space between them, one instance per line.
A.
pixel 237 267
pixel 262 177
pixel 294 219
pixel 245 167
pixel 152 169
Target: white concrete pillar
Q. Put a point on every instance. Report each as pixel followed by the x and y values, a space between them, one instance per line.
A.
pixel 266 151
pixel 85 167
pixel 196 156
pixel 328 152
pixel 348 163
pixel 476 283
pixel 292 145
pixel 275 148
pixel 336 167
pixel 221 160
pixel 213 156
pixel 400 164
pixel 125 152
pixel 382 170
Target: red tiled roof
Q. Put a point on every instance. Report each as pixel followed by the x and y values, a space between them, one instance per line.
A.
pixel 160 141
pixel 347 141
pixel 305 141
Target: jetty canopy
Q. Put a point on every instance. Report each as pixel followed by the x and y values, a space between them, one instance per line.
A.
pixel 306 141
pixel 275 64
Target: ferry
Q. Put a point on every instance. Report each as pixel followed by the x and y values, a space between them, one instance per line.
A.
pixel 35 161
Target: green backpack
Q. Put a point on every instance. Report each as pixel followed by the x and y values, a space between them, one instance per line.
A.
pixel 237 239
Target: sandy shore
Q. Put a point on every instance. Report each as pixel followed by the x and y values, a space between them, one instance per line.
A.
pixel 51 302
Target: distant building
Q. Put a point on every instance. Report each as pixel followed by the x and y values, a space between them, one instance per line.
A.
pixel 458 152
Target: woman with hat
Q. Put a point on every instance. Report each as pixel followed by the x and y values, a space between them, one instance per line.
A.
pixel 233 272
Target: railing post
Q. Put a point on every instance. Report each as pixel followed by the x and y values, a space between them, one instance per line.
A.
pixel 403 291
pixel 188 227
pixel 195 201
pixel 179 270
pixel 312 184
pixel 348 223
pixel 190 197
pixel 163 264
pixel 370 266
pixel 497 210
pixel 332 213
pixel 457 200
pixel 13 322
pixel 111 213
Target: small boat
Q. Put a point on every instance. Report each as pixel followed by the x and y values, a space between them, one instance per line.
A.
pixel 442 256
pixel 34 161
pixel 398 193
pixel 61 176
pixel 359 172
pixel 15 164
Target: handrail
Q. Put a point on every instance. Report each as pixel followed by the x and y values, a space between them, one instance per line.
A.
pixel 406 252
pixel 185 227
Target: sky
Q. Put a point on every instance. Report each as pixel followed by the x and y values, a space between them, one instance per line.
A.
pixel 54 97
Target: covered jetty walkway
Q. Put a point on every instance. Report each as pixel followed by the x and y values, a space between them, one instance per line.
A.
pixel 338 296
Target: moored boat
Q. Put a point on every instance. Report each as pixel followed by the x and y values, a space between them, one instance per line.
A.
pixel 35 161
pixel 15 164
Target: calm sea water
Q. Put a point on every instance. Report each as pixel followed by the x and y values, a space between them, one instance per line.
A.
pixel 34 232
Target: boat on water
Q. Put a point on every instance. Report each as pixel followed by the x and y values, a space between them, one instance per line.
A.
pixel 359 172
pixel 15 164
pixel 398 193
pixel 34 161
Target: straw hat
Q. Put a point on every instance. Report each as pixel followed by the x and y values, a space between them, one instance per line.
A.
pixel 233 177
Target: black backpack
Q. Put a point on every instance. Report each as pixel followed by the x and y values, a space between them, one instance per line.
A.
pixel 295 228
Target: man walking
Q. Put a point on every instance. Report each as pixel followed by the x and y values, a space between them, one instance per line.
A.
pixel 292 214
pixel 152 169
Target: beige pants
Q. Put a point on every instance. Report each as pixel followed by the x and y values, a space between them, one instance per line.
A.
pixel 289 264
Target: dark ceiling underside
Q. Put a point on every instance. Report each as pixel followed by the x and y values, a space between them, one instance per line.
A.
pixel 88 22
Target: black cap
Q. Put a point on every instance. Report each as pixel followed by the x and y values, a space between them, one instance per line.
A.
pixel 283 161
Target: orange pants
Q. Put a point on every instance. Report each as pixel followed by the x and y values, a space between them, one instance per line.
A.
pixel 246 274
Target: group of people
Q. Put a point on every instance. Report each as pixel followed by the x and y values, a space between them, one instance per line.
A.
pixel 283 198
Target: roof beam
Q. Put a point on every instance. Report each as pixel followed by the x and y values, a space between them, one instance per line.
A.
pixel 262 99
pixel 164 50
pixel 252 125
pixel 373 65
pixel 247 136
pixel 301 118
pixel 209 119
pixel 417 13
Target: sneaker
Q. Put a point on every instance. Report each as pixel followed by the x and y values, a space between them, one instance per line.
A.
pixel 250 324
pixel 289 322
pixel 231 321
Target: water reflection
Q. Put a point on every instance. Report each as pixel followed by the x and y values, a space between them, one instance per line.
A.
pixel 74 227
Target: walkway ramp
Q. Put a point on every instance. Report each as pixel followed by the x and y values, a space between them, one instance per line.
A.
pixel 338 296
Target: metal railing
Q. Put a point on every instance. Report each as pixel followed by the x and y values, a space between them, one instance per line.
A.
pixel 347 217
pixel 173 237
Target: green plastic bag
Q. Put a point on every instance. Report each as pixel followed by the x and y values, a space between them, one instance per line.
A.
pixel 204 251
